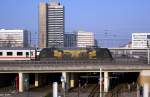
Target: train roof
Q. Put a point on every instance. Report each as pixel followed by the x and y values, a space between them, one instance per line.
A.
pixel 16 48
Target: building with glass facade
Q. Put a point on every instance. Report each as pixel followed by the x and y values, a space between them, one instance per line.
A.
pixel 51 25
pixel 13 38
pixel 140 40
pixel 69 40
pixel 84 39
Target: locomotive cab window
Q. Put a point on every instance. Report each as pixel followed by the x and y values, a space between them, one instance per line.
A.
pixel 9 53
pixel 1 53
pixel 19 53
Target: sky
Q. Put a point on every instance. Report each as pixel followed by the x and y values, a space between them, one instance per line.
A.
pixel 106 18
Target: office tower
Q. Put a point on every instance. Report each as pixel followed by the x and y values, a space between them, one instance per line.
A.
pixel 42 25
pixel 69 40
pixel 51 25
pixel 140 40
pixel 13 38
pixel 84 39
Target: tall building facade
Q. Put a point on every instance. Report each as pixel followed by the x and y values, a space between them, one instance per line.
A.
pixel 69 40
pixel 84 39
pixel 13 38
pixel 140 40
pixel 51 25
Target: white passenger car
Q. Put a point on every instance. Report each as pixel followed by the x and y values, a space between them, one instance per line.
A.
pixel 17 54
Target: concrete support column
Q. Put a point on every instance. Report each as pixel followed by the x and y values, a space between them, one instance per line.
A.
pixel 146 90
pixel 144 82
pixel 23 82
pixel 55 89
pixel 65 81
pixel 106 81
pixel 72 80
pixel 36 80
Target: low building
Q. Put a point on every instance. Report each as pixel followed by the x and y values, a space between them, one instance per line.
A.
pixel 13 38
pixel 140 40
pixel 69 40
pixel 84 39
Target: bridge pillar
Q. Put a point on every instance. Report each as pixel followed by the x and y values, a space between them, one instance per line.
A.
pixel 23 82
pixel 37 80
pixel 72 80
pixel 144 78
pixel 106 81
pixel 146 90
pixel 65 80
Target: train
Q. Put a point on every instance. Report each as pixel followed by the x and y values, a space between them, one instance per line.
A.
pixel 54 53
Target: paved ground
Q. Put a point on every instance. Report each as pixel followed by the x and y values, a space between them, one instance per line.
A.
pixel 41 92
pixel 36 92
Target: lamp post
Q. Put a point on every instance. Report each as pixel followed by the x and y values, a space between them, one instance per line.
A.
pixel 29 43
pixel 64 85
pixel 148 55
pixel 100 83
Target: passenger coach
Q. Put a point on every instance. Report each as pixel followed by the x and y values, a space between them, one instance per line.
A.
pixel 17 54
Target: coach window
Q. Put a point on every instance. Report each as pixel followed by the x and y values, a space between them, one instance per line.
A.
pixel 9 53
pixel 19 54
pixel 27 54
pixel 31 53
pixel 1 53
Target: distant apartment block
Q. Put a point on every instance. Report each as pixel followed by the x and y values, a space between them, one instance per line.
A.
pixel 84 39
pixel 140 40
pixel 69 40
pixel 51 25
pixel 13 38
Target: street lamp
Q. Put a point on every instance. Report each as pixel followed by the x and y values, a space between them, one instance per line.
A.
pixel 100 83
pixel 148 55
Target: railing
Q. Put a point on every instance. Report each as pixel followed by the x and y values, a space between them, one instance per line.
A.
pixel 115 61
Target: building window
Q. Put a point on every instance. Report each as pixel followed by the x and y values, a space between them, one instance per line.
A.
pixel 1 53
pixel 148 36
pixel 9 53
pixel 19 53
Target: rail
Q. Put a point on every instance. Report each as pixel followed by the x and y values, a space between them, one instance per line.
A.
pixel 94 90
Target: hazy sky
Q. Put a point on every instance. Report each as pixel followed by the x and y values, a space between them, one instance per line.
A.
pixel 103 17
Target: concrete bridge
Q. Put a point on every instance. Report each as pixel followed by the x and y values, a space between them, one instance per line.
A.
pixel 48 67
pixel 125 61
pixel 68 67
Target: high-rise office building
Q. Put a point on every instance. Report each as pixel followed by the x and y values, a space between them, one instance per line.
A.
pixel 69 40
pixel 51 25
